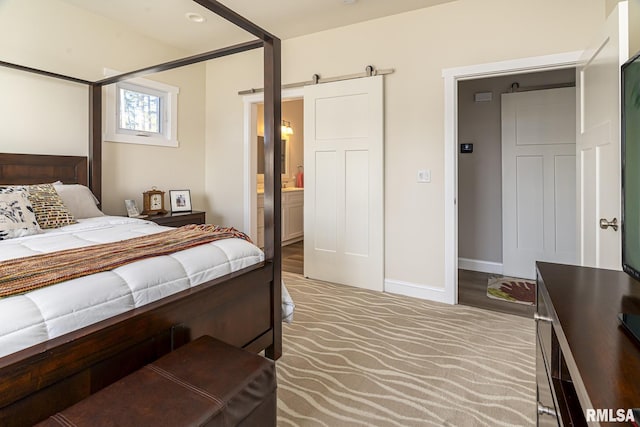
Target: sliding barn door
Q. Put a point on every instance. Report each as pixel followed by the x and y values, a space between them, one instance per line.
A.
pixel 598 146
pixel 538 179
pixel 343 197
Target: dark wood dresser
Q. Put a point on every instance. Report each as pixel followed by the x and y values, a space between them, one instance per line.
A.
pixel 585 360
pixel 178 219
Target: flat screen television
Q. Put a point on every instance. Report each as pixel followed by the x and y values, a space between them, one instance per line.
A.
pixel 630 132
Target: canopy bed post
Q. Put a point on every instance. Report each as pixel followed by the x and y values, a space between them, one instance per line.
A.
pixel 95 140
pixel 272 156
pixel 273 183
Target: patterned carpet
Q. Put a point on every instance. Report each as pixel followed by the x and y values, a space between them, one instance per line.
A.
pixel 353 357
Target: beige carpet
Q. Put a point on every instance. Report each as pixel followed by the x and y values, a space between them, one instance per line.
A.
pixel 358 358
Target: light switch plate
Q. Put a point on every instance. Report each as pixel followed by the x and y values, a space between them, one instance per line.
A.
pixel 424 175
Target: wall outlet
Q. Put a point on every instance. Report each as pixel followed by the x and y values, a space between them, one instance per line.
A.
pixel 424 175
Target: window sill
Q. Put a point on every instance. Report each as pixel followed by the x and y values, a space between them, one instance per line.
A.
pixel 147 140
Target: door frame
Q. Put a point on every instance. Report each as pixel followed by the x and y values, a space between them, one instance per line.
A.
pixel 250 164
pixel 451 77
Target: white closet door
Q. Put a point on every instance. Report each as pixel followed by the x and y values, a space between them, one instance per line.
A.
pixel 344 194
pixel 598 82
pixel 538 179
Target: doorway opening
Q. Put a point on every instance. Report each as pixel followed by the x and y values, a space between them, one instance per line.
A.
pixel 452 77
pixel 480 179
pixel 292 175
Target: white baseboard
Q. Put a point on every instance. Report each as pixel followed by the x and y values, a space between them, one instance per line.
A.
pixel 478 265
pixel 417 291
pixel 292 241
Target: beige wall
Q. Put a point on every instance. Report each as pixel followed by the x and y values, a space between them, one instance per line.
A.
pixel 418 45
pixel 40 115
pixel 480 172
pixel 130 169
pixel 43 115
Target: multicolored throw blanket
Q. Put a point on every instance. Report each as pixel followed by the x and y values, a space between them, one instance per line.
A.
pixel 25 274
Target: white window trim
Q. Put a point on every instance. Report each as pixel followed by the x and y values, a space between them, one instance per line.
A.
pixel 169 126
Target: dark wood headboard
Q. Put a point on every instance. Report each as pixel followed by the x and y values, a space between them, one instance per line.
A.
pixel 38 169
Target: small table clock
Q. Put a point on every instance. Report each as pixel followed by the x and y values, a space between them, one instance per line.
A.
pixel 153 202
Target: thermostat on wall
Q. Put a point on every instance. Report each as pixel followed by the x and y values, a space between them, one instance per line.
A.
pixel 466 148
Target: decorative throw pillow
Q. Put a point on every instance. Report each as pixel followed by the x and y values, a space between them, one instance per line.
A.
pixel 17 218
pixel 48 206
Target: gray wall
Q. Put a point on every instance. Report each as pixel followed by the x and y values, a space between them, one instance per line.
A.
pixel 479 173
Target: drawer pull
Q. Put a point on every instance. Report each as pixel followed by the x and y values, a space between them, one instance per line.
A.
pixel 545 410
pixel 537 317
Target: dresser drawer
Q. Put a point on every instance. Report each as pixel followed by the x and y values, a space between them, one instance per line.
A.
pixel 179 219
pixel 544 394
pixel 544 326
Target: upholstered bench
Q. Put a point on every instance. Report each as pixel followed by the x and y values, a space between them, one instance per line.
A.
pixel 203 383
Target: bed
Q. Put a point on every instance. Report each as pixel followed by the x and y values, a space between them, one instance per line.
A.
pixel 49 312
pixel 241 307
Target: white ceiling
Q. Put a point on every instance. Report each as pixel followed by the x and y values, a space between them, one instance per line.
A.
pixel 165 20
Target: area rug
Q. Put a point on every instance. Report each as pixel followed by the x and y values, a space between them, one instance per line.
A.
pixel 520 291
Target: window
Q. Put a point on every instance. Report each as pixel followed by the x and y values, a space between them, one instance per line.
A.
pixel 142 111
pixel 139 110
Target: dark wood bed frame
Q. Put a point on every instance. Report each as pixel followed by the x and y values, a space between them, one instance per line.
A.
pixel 243 308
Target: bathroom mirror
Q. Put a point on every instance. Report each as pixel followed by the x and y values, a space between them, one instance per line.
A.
pixel 284 164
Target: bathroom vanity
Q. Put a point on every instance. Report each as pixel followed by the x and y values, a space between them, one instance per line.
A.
pixel 292 216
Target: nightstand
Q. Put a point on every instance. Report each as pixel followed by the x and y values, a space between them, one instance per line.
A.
pixel 178 219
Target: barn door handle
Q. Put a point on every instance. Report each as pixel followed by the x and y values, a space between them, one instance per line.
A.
pixel 604 224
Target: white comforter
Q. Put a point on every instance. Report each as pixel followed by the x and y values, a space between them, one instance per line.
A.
pixel 49 312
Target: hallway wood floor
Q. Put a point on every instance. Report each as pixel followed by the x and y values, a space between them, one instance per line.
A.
pixel 472 285
pixel 472 290
pixel 293 258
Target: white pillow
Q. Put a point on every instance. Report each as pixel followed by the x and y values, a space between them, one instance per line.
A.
pixel 78 199
pixel 17 218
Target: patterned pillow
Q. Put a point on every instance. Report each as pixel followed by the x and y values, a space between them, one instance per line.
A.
pixel 17 218
pixel 48 206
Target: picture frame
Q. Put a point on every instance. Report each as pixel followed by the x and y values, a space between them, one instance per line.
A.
pixel 132 210
pixel 180 200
